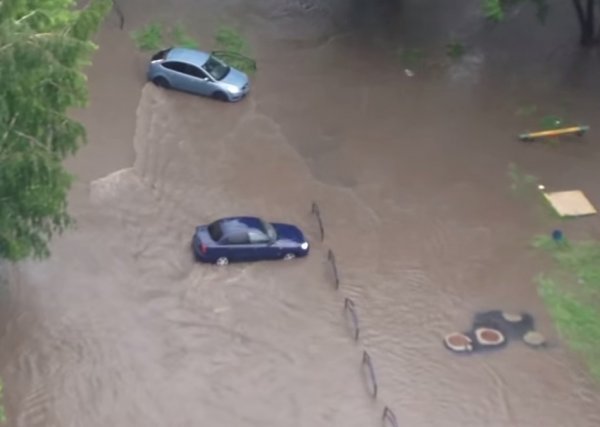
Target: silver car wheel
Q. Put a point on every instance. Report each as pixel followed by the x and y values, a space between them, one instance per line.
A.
pixel 220 96
pixel 289 256
pixel 161 82
pixel 222 261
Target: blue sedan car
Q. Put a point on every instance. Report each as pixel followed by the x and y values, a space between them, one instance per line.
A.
pixel 247 238
pixel 197 72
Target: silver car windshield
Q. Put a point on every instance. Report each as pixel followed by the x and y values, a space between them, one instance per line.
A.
pixel 216 68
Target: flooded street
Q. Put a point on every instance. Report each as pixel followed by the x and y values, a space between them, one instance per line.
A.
pixel 120 327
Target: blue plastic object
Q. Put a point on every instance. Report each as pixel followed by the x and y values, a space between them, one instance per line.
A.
pixel 557 236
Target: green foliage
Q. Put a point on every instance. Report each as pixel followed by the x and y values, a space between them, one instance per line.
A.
pixel 542 10
pixel 2 411
pixel 572 295
pixel 494 10
pixel 519 181
pixel 149 37
pixel 179 35
pixel 581 258
pixel 526 187
pixel 229 39
pixel 455 49
pixel 44 46
pixel 231 46
pixel 412 57
pixel 233 49
pixel 527 110
pixel 551 122
pixel 153 37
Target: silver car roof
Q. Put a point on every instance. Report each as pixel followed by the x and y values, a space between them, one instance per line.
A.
pixel 189 56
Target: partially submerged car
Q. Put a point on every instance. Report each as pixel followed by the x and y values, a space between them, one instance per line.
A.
pixel 247 238
pixel 197 72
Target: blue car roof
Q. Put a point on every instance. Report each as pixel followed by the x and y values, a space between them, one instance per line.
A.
pixel 189 56
pixel 238 222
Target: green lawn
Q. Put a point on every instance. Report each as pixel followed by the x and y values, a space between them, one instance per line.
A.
pixel 572 295
pixel 2 413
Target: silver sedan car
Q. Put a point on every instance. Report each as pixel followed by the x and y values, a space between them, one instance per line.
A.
pixel 197 72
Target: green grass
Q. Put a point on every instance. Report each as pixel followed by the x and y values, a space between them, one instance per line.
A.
pixel 156 36
pixel 526 187
pixel 181 38
pixel 493 10
pixel 2 412
pixel 455 50
pixel 149 37
pixel 527 110
pixel 519 181
pixel 229 39
pixel 230 45
pixel 572 290
pixel 572 295
pixel 551 122
pixel 412 57
pixel 232 48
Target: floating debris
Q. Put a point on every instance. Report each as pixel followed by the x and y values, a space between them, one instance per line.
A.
pixel 569 203
pixel 574 130
pixel 492 330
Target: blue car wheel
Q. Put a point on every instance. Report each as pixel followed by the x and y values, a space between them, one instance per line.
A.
pixel 222 261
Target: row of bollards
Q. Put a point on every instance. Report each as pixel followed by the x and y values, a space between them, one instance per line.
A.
pixel 388 417
pixel 350 310
pixel 317 213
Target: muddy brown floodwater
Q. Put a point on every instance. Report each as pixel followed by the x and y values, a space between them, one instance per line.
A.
pixel 121 328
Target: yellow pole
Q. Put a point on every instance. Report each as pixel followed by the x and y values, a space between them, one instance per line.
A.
pixel 578 130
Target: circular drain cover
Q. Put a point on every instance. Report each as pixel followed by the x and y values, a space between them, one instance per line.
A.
pixel 534 339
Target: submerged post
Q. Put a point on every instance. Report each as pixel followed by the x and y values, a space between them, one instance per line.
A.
pixel 366 363
pixel 389 418
pixel 332 261
pixel 350 309
pixel 317 213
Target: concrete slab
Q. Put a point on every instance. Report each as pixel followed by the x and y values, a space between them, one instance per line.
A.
pixel 570 203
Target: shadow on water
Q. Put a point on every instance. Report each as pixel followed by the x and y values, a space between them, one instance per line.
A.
pixel 376 18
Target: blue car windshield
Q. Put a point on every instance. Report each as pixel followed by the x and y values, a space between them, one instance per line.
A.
pixel 270 230
pixel 215 231
pixel 216 68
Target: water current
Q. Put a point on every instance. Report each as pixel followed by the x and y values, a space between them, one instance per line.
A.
pixel 121 328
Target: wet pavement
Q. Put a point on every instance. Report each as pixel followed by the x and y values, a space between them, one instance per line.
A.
pixel 120 327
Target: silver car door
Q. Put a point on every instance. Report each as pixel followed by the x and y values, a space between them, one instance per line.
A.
pixel 178 78
pixel 203 85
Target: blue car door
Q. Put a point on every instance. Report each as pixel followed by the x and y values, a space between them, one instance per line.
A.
pixel 237 247
pixel 273 251
pixel 263 247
